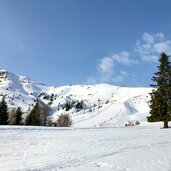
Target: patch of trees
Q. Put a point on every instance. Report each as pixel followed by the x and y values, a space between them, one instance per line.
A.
pixel 38 116
pixel 79 105
pixel 160 103
pixel 14 117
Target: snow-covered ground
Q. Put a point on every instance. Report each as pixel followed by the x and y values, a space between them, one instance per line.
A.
pixel 139 148
pixel 97 139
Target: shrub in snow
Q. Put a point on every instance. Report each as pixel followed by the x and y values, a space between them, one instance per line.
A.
pixel 15 116
pixel 64 120
pixel 137 123
pixel 12 116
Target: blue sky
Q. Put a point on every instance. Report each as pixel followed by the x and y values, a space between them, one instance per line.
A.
pixel 61 42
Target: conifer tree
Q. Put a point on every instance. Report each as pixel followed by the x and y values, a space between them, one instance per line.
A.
pixel 3 112
pixel 161 95
pixel 34 118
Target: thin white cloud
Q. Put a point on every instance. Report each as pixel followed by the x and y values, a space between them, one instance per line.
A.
pixel 147 49
pixel 106 65
pixel 163 46
pixel 151 45
pixel 149 58
pixel 148 38
pixel 106 69
pixel 124 58
pixel 160 36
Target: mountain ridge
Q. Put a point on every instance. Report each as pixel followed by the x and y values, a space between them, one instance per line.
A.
pixel 88 105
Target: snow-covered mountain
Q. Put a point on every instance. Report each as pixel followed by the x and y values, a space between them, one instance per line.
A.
pixel 19 91
pixel 88 105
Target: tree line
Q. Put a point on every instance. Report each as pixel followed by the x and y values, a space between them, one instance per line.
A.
pixel 39 116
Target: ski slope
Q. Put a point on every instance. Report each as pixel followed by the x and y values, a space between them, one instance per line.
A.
pixel 139 148
pixel 105 105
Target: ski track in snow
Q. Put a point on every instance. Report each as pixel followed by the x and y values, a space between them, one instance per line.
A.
pixel 50 149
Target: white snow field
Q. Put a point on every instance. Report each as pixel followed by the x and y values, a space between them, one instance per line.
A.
pixel 138 148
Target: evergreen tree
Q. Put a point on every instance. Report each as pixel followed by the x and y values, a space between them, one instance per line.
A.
pixel 161 95
pixel 34 118
pixel 3 112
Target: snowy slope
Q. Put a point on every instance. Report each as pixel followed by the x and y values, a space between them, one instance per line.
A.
pixel 19 91
pixel 89 105
pixel 104 105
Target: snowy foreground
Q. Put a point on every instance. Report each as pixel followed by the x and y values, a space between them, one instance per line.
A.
pixel 140 148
